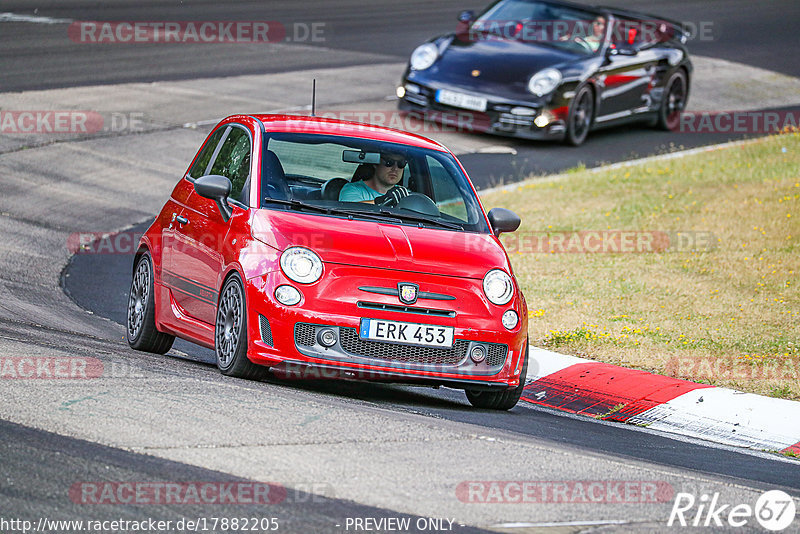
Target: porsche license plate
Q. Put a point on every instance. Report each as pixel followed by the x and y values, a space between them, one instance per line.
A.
pixel 426 335
pixel 460 100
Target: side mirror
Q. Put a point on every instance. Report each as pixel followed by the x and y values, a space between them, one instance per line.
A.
pixel 216 188
pixel 503 220
pixel 466 16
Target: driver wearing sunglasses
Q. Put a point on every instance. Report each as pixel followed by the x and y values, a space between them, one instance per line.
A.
pixel 382 187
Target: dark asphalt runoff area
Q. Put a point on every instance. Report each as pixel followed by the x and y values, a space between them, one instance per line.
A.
pixel 100 282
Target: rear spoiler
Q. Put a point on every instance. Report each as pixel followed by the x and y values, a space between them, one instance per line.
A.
pixel 670 28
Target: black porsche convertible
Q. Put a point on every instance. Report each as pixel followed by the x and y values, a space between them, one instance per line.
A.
pixel 546 69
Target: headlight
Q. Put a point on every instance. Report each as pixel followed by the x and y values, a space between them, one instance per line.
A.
pixel 301 265
pixel 544 81
pixel 498 287
pixel 424 56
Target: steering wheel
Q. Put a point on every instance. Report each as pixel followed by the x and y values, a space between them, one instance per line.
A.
pixel 581 41
pixel 419 203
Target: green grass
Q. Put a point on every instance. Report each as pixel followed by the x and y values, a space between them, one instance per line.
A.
pixel 727 296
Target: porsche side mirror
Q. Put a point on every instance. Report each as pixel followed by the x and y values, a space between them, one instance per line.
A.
pixel 466 16
pixel 216 188
pixel 503 220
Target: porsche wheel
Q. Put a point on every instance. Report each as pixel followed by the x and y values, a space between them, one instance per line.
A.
pixel 675 97
pixel 140 324
pixel 581 113
pixel 500 400
pixel 230 333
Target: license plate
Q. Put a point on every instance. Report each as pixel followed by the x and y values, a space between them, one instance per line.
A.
pixel 425 335
pixel 460 100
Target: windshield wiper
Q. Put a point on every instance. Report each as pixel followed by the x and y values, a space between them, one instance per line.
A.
pixel 329 210
pixel 423 219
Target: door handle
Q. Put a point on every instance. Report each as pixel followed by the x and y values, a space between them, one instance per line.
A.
pixel 181 219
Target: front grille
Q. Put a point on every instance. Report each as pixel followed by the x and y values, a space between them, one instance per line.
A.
pixel 266 331
pixel 406 309
pixel 497 354
pixel 419 100
pixel 402 353
pixel 305 334
pixel 516 120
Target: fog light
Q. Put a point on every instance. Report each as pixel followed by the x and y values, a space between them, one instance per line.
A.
pixel 287 295
pixel 541 121
pixel 326 337
pixel 478 354
pixel 510 319
pixel 400 92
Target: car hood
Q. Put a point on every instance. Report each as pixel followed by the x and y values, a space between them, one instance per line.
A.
pixel 385 246
pixel 504 65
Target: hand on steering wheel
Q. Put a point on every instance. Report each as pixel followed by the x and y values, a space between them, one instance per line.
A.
pixel 392 196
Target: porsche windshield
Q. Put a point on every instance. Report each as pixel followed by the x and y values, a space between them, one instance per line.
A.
pixel 537 22
pixel 353 177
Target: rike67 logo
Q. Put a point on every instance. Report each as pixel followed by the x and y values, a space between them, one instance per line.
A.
pixel 774 511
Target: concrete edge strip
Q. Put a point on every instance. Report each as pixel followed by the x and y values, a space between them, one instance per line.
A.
pixel 613 393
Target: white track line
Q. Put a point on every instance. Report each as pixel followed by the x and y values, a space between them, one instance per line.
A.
pixel 14 17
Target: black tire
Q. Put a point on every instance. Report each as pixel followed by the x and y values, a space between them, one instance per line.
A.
pixel 140 324
pixel 500 400
pixel 676 94
pixel 581 116
pixel 230 333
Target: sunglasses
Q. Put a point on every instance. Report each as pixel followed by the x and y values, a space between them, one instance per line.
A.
pixel 401 163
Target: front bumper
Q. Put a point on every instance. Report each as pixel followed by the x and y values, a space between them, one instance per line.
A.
pixel 287 338
pixel 502 117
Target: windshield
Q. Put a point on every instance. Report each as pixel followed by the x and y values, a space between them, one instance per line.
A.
pixel 553 25
pixel 331 175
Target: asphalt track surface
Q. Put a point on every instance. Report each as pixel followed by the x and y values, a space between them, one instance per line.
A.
pixel 99 282
pixel 36 465
pixel 56 462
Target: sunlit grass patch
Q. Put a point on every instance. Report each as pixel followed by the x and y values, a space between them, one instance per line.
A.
pixel 724 289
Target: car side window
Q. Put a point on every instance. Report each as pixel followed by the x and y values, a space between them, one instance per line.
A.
pixel 233 160
pixel 202 161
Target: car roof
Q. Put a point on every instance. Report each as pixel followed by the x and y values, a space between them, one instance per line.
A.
pixel 331 126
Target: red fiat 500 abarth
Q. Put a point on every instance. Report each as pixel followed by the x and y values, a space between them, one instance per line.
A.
pixel 324 248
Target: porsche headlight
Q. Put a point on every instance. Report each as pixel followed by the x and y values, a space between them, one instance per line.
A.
pixel 301 265
pixel 424 56
pixel 498 287
pixel 544 81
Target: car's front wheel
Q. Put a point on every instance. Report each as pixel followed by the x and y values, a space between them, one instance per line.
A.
pixel 500 400
pixel 141 328
pixel 230 332
pixel 675 97
pixel 581 114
